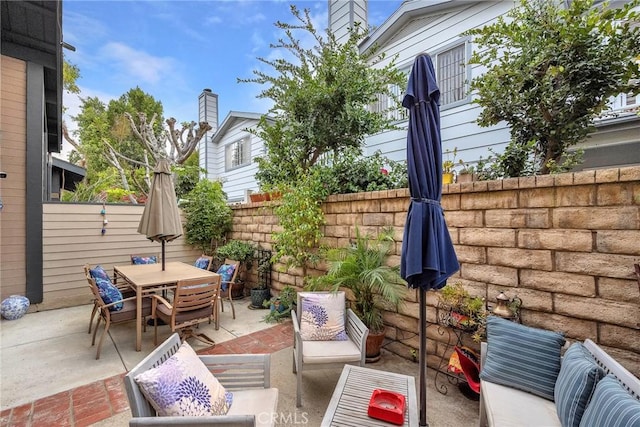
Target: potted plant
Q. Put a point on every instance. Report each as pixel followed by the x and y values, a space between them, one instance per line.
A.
pixel 362 268
pixel 458 309
pixel 261 292
pixel 239 251
pixel 447 167
pixel 280 307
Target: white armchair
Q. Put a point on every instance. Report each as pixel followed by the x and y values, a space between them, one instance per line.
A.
pixel 323 354
pixel 247 376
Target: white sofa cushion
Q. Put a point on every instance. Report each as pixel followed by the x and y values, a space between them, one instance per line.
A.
pixel 262 403
pixel 506 406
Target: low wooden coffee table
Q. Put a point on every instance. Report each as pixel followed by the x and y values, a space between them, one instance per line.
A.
pixel 350 399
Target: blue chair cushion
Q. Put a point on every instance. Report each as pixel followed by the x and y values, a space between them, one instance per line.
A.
pixel 226 273
pixel 137 260
pixel 611 406
pixel 108 292
pixel 99 273
pixel 202 263
pixel 579 374
pixel 522 357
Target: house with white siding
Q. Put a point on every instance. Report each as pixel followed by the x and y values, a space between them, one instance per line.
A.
pixel 228 151
pixel 436 28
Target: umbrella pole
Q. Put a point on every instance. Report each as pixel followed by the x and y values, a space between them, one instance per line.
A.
pixel 423 357
pixel 163 255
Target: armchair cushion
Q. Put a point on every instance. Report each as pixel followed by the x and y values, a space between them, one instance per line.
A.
pixel 108 292
pixel 330 352
pixel 579 374
pixel 522 357
pixel 183 386
pixel 322 317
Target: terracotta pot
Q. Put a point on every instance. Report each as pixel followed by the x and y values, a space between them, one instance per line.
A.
pixel 374 345
pixel 258 197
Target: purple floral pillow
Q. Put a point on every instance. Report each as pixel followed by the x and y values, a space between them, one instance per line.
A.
pixel 322 317
pixel 137 260
pixel 183 386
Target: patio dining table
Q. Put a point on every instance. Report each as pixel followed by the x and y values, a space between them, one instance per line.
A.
pixel 147 278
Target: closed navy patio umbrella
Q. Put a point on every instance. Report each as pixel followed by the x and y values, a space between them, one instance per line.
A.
pixel 428 257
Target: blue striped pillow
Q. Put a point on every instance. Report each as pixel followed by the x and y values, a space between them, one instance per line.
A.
pixel 576 382
pixel 611 406
pixel 522 357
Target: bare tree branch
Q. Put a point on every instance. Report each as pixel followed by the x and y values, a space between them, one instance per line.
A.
pixel 113 159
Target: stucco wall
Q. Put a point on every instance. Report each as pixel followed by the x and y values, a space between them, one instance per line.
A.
pixel 564 244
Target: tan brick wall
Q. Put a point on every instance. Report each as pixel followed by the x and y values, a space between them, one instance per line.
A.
pixel 565 244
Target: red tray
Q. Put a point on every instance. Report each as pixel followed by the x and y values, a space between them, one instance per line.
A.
pixel 387 406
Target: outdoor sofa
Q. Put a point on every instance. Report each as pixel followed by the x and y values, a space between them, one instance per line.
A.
pixel 526 382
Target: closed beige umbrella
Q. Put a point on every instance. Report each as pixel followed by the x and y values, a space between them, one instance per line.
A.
pixel 160 220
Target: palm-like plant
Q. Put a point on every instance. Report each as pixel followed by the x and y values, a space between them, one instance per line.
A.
pixel 361 267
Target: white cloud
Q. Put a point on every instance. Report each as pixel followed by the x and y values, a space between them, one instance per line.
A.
pixel 137 64
pixel 213 20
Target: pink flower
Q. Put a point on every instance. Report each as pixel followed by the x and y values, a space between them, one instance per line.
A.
pixel 383 171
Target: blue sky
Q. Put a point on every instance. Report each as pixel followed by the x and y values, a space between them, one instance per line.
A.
pixel 174 49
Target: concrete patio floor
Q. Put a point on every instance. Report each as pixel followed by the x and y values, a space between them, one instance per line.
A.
pixel 47 357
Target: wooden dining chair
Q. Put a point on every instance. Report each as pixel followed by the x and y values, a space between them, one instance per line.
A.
pixel 228 273
pixel 109 304
pixel 193 303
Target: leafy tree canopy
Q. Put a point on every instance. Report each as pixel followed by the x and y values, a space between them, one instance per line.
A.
pixel 320 99
pixel 550 71
pixel 104 130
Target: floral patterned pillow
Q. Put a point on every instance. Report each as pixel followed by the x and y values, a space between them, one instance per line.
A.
pixel 108 292
pixel 202 263
pixel 322 317
pixel 137 260
pixel 226 273
pixel 183 386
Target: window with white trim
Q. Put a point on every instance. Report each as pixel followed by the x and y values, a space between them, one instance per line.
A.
pixel 451 72
pixel 238 154
pixel 387 105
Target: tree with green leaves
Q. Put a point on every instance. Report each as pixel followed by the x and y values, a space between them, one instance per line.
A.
pixel 106 140
pixel 118 136
pixel 550 71
pixel 320 99
pixel 208 216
